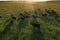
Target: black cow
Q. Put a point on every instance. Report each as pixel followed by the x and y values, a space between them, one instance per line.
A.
pixel 21 14
pixel 12 18
pixel 0 16
pixel 37 25
pixel 34 16
pixel 46 10
pixel 35 12
pixel 26 14
pixel 38 9
pixel 52 13
pixel 44 15
pixel 23 17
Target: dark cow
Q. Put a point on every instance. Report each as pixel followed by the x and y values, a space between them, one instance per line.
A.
pixel 11 21
pixel 0 16
pixel 35 12
pixel 37 25
pixel 44 15
pixel 46 10
pixel 38 9
pixel 52 13
pixel 29 11
pixel 21 14
pixel 23 17
pixel 12 18
pixel 34 16
pixel 26 14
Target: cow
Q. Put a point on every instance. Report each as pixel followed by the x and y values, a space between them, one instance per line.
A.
pixel 12 18
pixel 34 16
pixel 0 16
pixel 44 15
pixel 35 12
pixel 46 10
pixel 23 16
pixel 37 25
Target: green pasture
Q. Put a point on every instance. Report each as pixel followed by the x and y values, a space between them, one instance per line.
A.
pixel 22 29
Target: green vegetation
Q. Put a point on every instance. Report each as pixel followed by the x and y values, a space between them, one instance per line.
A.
pixel 23 30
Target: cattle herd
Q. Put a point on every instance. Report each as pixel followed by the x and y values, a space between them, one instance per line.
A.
pixel 35 14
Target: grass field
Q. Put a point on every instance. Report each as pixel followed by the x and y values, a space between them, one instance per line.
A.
pixel 23 30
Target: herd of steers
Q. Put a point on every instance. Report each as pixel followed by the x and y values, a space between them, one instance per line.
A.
pixel 34 14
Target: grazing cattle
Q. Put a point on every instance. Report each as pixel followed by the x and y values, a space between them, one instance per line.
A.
pixel 22 17
pixel 38 10
pixel 37 25
pixel 29 11
pixel 35 12
pixel 52 13
pixel 46 10
pixel 26 14
pixel 49 11
pixel 11 21
pixel 12 18
pixel 0 16
pixel 21 14
pixel 34 16
pixel 44 15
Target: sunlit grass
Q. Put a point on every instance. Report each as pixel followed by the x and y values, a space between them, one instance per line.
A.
pixel 26 32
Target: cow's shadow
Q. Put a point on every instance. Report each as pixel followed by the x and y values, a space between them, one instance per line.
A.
pixel 22 24
pixel 36 35
pixel 6 30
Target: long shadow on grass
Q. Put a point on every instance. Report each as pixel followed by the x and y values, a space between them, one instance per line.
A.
pixel 36 35
pixel 7 21
pixel 21 25
pixel 36 32
pixel 53 20
pixel 6 30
